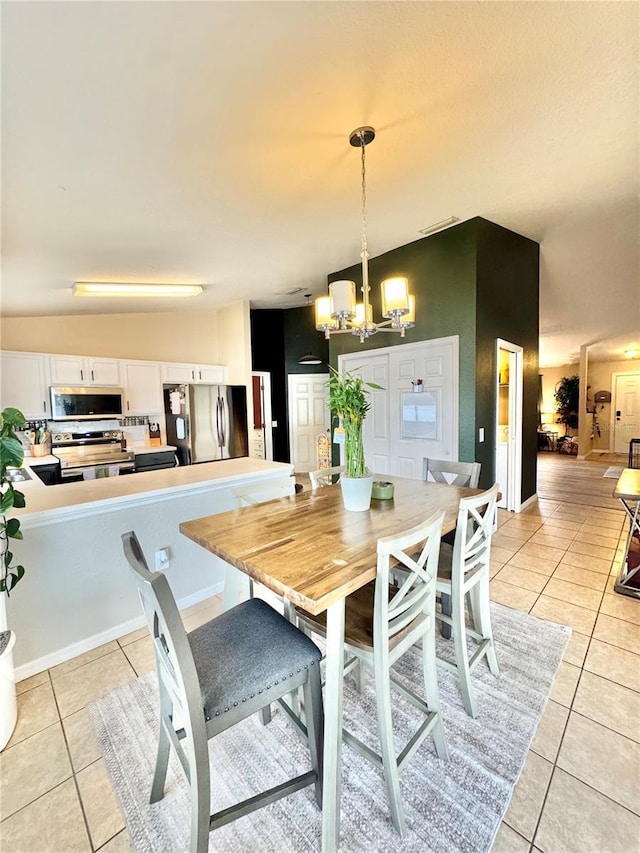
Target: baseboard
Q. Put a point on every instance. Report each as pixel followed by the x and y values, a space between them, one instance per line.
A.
pixel 529 502
pixel 61 655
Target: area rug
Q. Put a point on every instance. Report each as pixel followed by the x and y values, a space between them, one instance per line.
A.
pixel 450 806
pixel 613 472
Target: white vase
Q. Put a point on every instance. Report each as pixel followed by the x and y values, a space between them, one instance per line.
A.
pixel 8 703
pixel 356 492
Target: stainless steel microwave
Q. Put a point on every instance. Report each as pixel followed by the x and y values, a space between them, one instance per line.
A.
pixel 84 403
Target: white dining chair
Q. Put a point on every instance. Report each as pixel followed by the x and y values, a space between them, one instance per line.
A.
pixel 325 476
pixel 463 574
pixel 451 473
pixel 382 623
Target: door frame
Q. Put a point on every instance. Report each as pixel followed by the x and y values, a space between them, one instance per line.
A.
pixel 514 463
pixel 615 407
pixel 267 413
pixel 292 378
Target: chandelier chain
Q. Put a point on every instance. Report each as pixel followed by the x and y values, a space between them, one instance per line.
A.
pixel 364 192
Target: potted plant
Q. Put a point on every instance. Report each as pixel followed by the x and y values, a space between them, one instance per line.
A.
pixel 348 401
pixel 11 455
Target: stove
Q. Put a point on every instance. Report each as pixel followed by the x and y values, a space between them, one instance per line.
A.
pixel 90 453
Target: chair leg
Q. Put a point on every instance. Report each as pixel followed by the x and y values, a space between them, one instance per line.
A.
pixel 389 760
pixel 484 622
pixel 315 724
pixel 432 691
pixel 200 795
pixel 462 657
pixel 358 672
pixel 164 747
pixel 265 714
pixel 445 605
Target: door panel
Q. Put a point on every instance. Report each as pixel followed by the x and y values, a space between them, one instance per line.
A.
pixel 626 410
pixel 309 417
pixel 403 426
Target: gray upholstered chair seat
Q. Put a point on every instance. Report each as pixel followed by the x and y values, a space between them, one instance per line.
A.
pixel 254 648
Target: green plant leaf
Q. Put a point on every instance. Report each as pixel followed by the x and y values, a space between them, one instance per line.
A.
pixel 18 499
pixel 13 529
pixel 16 575
pixel 13 418
pixel 7 500
pixel 8 556
pixel 11 452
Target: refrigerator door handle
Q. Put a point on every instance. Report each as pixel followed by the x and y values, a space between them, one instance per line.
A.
pixel 218 420
pixel 223 438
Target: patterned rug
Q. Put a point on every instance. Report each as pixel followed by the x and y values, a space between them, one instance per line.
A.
pixel 450 806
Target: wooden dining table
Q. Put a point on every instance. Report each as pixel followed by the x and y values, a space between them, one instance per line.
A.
pixel 311 551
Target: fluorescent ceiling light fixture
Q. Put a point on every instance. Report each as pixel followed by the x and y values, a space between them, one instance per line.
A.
pixel 438 226
pixel 111 288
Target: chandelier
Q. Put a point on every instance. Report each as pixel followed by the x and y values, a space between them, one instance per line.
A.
pixel 339 313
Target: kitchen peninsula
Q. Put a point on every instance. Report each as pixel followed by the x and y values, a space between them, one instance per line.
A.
pixel 77 592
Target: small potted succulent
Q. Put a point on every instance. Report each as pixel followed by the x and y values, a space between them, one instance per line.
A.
pixel 11 456
pixel 348 401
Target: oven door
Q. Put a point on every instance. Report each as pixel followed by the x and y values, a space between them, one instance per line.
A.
pixel 69 403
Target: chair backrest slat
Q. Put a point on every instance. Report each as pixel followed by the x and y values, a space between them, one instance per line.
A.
pixel 416 593
pixel 474 529
pixel 175 665
pixel 451 473
pixel 325 476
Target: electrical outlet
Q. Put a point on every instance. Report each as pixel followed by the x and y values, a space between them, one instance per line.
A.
pixel 162 560
pixel 481 434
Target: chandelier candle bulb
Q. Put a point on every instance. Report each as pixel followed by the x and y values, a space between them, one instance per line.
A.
pixel 343 294
pixel 395 296
pixel 324 312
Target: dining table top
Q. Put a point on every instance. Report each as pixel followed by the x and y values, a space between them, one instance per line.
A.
pixel 310 550
pixel 628 485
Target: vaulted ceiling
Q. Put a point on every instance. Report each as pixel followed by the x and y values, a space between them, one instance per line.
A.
pixel 208 142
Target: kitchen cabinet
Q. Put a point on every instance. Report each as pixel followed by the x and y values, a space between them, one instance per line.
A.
pixel 183 374
pixel 142 387
pixel 80 370
pixel 24 384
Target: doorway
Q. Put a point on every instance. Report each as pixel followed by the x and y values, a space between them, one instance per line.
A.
pixel 508 456
pixel 308 418
pixel 261 438
pixel 625 410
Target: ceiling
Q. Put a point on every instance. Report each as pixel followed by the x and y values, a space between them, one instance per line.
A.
pixel 207 142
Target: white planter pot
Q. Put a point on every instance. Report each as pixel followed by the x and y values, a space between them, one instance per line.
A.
pixel 356 492
pixel 8 703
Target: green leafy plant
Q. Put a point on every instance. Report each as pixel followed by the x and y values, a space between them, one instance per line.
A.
pixel 348 400
pixel 566 398
pixel 11 454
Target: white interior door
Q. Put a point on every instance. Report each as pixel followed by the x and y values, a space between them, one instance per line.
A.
pixel 404 425
pixel 625 410
pixel 308 417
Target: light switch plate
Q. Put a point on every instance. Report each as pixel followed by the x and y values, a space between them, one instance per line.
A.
pixel 481 434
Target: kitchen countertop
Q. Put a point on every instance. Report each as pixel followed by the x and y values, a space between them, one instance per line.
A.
pixel 101 494
pixel 145 448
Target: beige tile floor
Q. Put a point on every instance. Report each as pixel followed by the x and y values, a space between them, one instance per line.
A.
pixel 580 787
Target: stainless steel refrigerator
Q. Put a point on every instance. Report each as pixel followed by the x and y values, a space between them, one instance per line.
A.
pixel 206 422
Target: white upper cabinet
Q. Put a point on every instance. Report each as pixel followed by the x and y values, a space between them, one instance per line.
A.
pixel 143 388
pixel 183 374
pixel 24 384
pixel 78 370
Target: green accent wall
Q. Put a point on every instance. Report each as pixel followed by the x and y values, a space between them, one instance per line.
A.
pixel 479 281
pixel 507 307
